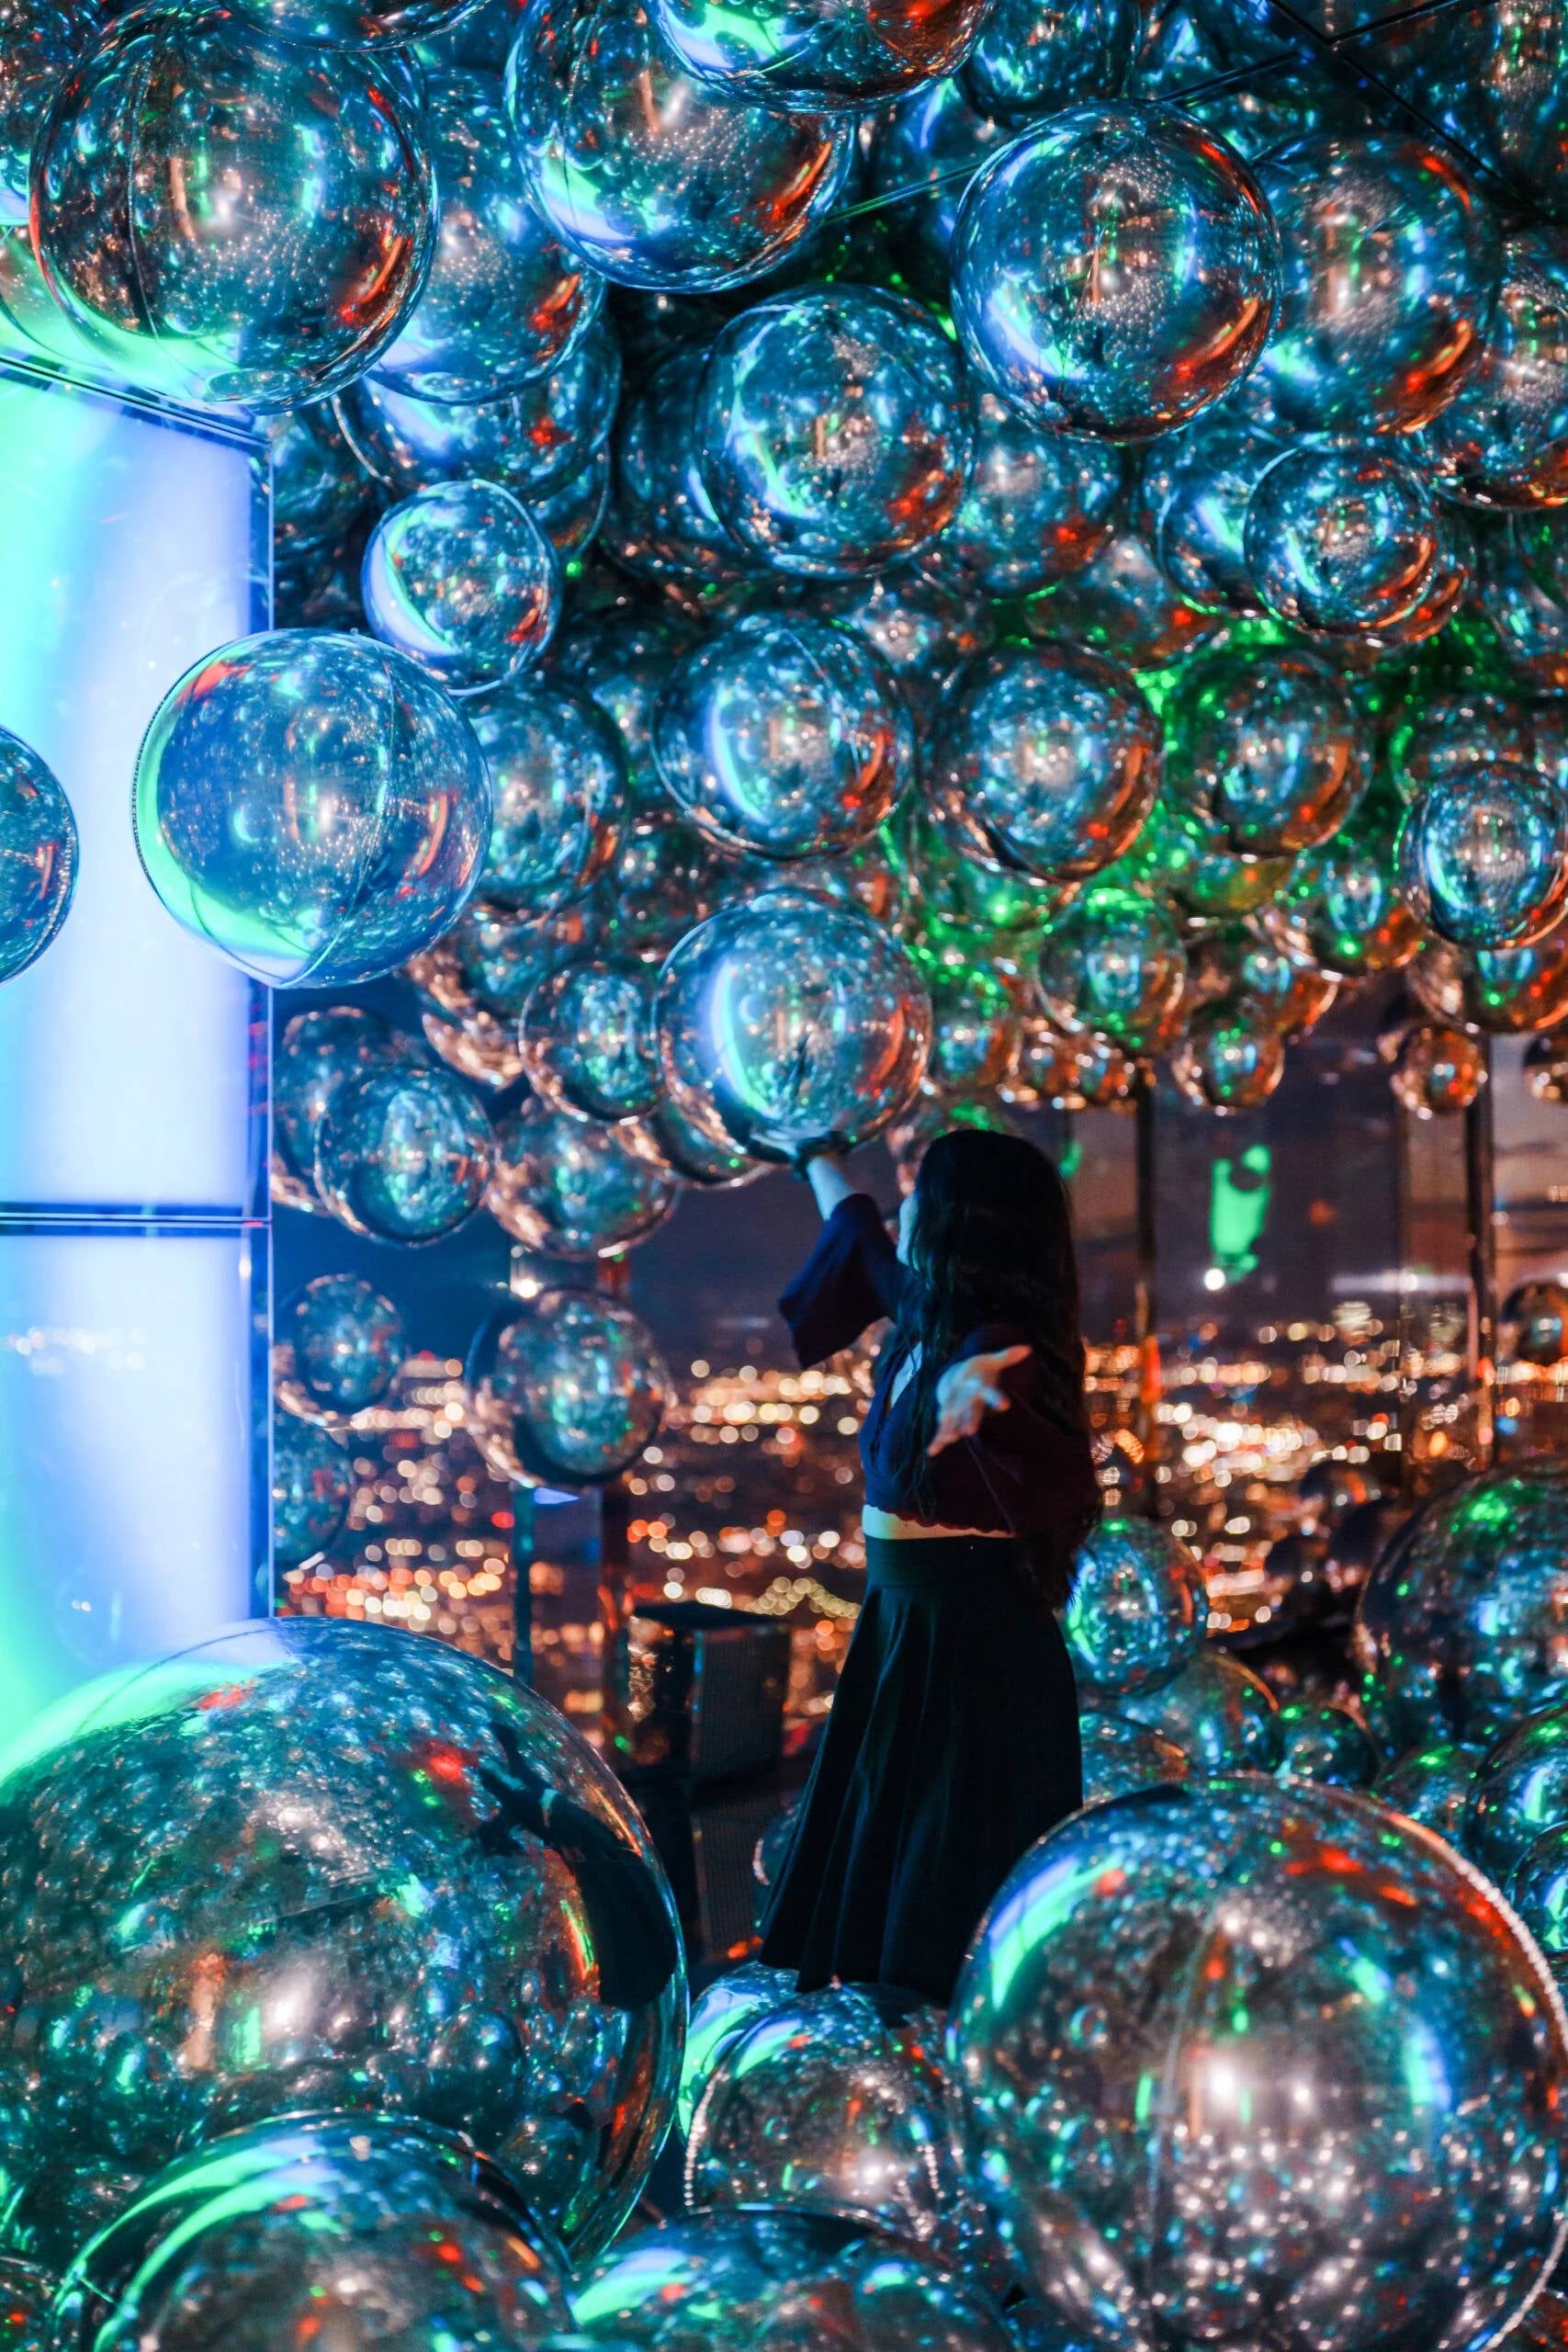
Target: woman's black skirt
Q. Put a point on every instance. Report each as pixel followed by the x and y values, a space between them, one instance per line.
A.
pixel 951 1746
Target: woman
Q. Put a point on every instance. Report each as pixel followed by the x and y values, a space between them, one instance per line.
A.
pixel 952 1742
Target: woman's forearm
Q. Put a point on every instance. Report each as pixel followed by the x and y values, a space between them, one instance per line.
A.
pixel 829 1183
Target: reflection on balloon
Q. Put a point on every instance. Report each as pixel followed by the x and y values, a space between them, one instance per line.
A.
pixel 661 522
pixel 27 2299
pixel 1120 1755
pixel 1529 622
pixel 1483 858
pixel 1114 965
pixel 1324 1743
pixel 1534 1323
pixel 461 579
pixel 1232 1057
pixel 932 142
pixel 319 490
pixel 1138 1613
pixel 570 514
pixel 559 779
pixel 587 1039
pixel 1341 540
pixel 404 1155
pixel 1216 1712
pixel 37 856
pixel 316 1053
pixel 345 1341
pixel 572 1188
pixel 669 1140
pixel 567 1389
pixel 1269 746
pixel 1347 907
pixel 1038 506
pixel 1123 605
pixel 974 1033
pixel 40 41
pixel 795 54
pixel 312 1486
pixel 1503 440
pixel 1192 504
pixel 1032 57
pixel 925 629
pixel 1432 1785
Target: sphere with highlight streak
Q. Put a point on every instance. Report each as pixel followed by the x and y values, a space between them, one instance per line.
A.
pixel 1138 1613
pixel 722 2012
pixel 1114 270
pixel 587 1039
pixel 307 1865
pixel 1503 440
pixel 567 1389
pixel 1483 858
pixel 974 1033
pixel 572 1188
pixel 1232 1057
pixel 798 54
pixel 1347 907
pixel 312 1486
pixel 319 1051
pixel 1437 1070
pixel 404 1155
pixel 1216 1712
pixel 319 490
pixel 669 1140
pixel 461 579
pixel 558 773
pixel 1038 506
pixel 1430 1784
pixel 1520 1792
pixel 1191 507
pixel 1120 1756
pixel 837 430
pixel 651 178
pixel 1344 541
pixel 1534 1321
pixel 569 514
pixel 622 662
pixel 1324 1743
pixel 345 1341
pixel 39 42
pixel 1268 745
pixel 1033 57
pixel 1529 624
pixel 1114 966
pixel 789 1022
pixel 1321 1939
pixel 292 284
pixel 37 856
pixel 312 805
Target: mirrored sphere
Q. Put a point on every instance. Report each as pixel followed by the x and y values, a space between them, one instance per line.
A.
pixel 1390 275
pixel 567 1389
pixel 312 1486
pixel 37 856
pixel 309 1865
pixel 783 736
pixel 836 429
pixel 1216 1712
pixel 505 301
pixel 345 1341
pixel 1114 965
pixel 1518 1792
pixel 318 2226
pixel 570 514
pixel 559 779
pixel 1437 1070
pixel 1114 270
pixel 404 1155
pixel 724 2010
pixel 924 153
pixel 291 285
pixel 671 1141
pixel 481 970
pixel 587 1039
pixel 1046 760
pixel 1038 506
pixel 925 629
pixel 623 661
pixel 772 2279
pixel 975 1033
pixel 572 1188
pixel 1286 985
pixel 1322 1934
pixel 1269 746
pixel 1459 1624
pixel 1430 1784
pixel 1324 1743
pixel 1529 624
pixel 26 2298
pixel 1349 908
pixel 1120 1755
pixel 1341 540
pixel 1535 1323
pixel 662 523
pixel 1138 1611
pixel 312 805
pixel 653 179
pixel 353 24
pixel 1441 731
pixel 40 41
pixel 319 490
pixel 1032 57
pixel 1483 857
pixel 799 55
pixel 1503 440
pixel 316 1053
pixel 789 1020
pixel 1191 507
pixel 1232 1057
pixel 461 579
pixel 1181 857
pixel 1538 1890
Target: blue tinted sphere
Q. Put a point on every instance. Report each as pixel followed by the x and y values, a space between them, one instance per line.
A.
pixel 40 41
pixel 569 514
pixel 785 736
pixel 661 522
pixel 670 1140
pixel 346 1342
pixel 572 1188
pixel 1518 1792
pixel 404 1155
pixel 1033 57
pixel 319 490
pixel 925 629
pixel 726 2009
pixel 317 1052
pixel 1232 1057
pixel 1038 506
pixel 287 285
pixel 1267 746
pixel 1325 1941
pixel 791 1020
pixel 1503 440
pixel 1120 1755
pixel 803 54
pixel 1193 507
pixel 623 661
pixel 1113 964
pixel 1324 1743
pixel 1123 605
pixel 37 856
pixel 1346 906
pixel 1114 270
pixel 924 153
pixel 1390 277
pixel 587 1039
pixel 567 1389
pixel 312 805
pixel 1430 1784
pixel 353 24
pixel 312 1486
pixel 1046 760
pixel 461 579
pixel 505 301
pixel 1138 1611
pixel 1216 1712
pixel 1483 857
pixel 653 179
pixel 1530 623
pixel 1345 541
pixel 836 430
pixel 559 778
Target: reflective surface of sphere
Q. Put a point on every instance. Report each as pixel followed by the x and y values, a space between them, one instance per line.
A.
pixel 653 179
pixel 1483 857
pixel 1120 1755
pixel 40 41
pixel 621 661
pixel 1430 1784
pixel 662 523
pixel 790 1020
pixel 567 1389
pixel 1341 540
pixel 836 429
pixel 37 856
pixel 404 1155
pixel 1138 1613
pixel 312 1486
pixel 1324 1743
pixel 587 1039
pixel 291 285
pixel 572 1188
pixel 26 2298
pixel 1503 441
pixel 798 54
pixel 1325 1937
pixel 1216 1712
pixel 730 2006
pixel 783 736
pixel 317 1052
pixel 1232 1057
pixel 313 1865
pixel 1519 1792
pixel 1031 57
pixel 974 1033
pixel 924 628
pixel 1046 760
pixel 1349 908
pixel 314 805
pixel 460 578
pixel 934 141
pixel 506 299
pixel 1038 506
pixel 1268 745
pixel 1123 605
pixel 1114 965
pixel 1114 270
pixel 1529 624
pixel 1437 1070
pixel 1191 507
pixel 558 775
pixel 345 1341
pixel 1287 985
pixel 351 24
pixel 1535 1323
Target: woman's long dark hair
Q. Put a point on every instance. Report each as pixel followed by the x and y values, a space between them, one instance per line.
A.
pixel 992 1242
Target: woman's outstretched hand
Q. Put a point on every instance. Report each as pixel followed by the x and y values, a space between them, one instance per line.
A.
pixel 968 1391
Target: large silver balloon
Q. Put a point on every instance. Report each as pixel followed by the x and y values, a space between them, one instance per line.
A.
pixel 312 805
pixel 783 736
pixel 974 1034
pixel 775 2280
pixel 313 1865
pixel 1120 1756
pixel 1503 440
pixel 1114 270
pixel 312 1487
pixel 1430 1784
pixel 572 1188
pixel 341 1341
pixel 789 1022
pixel 505 301
pixel 1390 277
pixel 37 856
pixel 1268 745
pixel 1288 986
pixel 567 1389
pixel 1047 761
pixel 661 522
pixel 587 1039
pixel 1123 605
pixel 925 629
pixel 336 2229
pixel 1342 541
pixel 1216 1712
pixel 1193 504
pixel 1232 1057
pixel 798 54
pixel 653 179
pixel 558 776
pixel 1032 57
pixel 1038 506
pixel 1303 2056
pixel 836 429
pixel 1138 1613
pixel 317 1052
pixel 404 1155
pixel 461 579
pixel 293 281
pixel 1483 857
pixel 1114 965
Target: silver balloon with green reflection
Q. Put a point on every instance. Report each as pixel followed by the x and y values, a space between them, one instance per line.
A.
pixel 344 1341
pixel 317 1052
pixel 1483 857
pixel 558 781
pixel 1342 541
pixel 1269 745
pixel 1326 1744
pixel 1430 1783
pixel 586 1038
pixel 405 1154
pixel 1114 965
pixel 798 55
pixel 567 1389
pixel 312 1486
pixel 1038 506
pixel 1232 1057
pixel 572 1189
pixel 1216 1712
pixel 460 578
pixel 1138 1613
